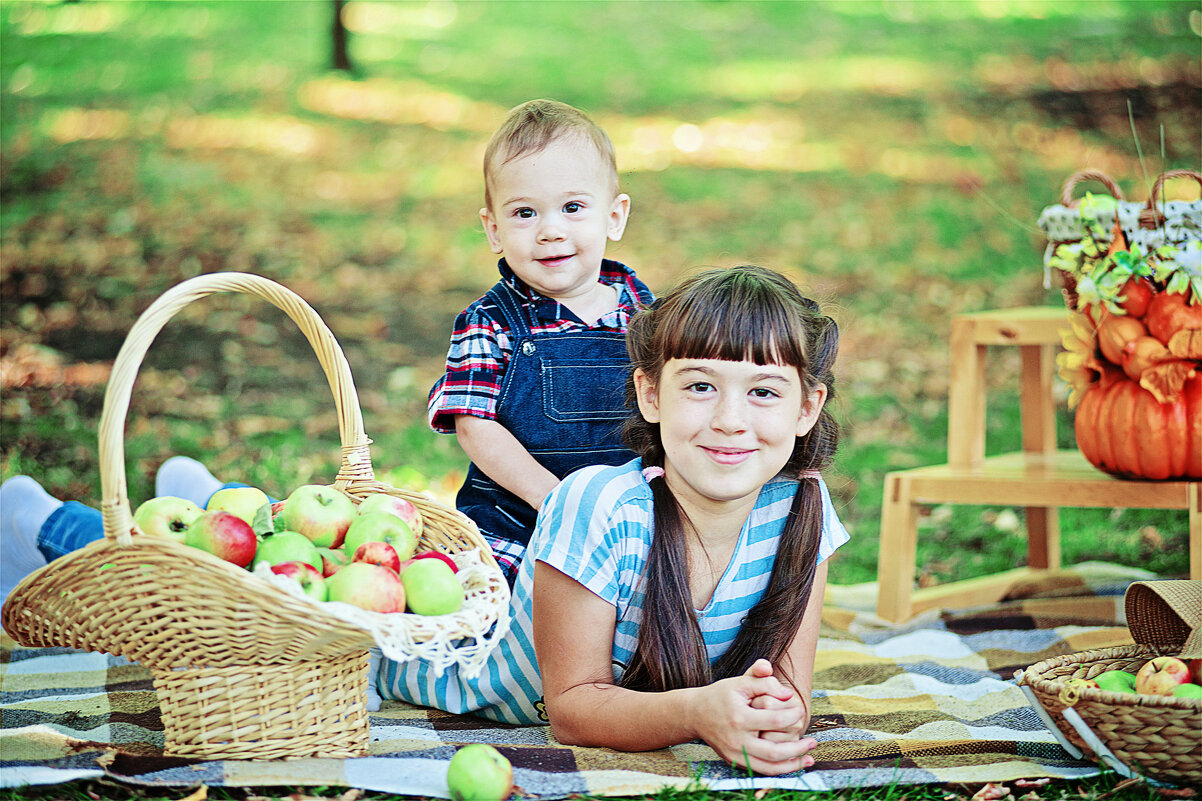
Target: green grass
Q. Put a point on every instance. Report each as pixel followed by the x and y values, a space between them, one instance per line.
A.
pixel 891 157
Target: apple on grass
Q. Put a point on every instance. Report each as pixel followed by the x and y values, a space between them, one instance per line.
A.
pixel 367 586
pixel 321 513
pixel 431 588
pixel 224 535
pixel 383 502
pixel 167 516
pixel 242 501
pixel 309 578
pixel 380 527
pixel 1161 675
pixel 479 772
pixel 288 546
pixel 378 553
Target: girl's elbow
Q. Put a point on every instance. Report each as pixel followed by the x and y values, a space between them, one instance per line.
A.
pixel 568 731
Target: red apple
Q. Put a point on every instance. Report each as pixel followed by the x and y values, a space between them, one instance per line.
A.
pixel 1161 675
pixel 311 581
pixel 383 502
pixel 321 513
pixel 167 516
pixel 432 555
pixel 381 527
pixel 224 535
pixel 378 553
pixel 1195 670
pixel 367 586
pixel 332 560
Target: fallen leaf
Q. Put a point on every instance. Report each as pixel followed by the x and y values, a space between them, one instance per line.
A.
pixel 1031 782
pixel 351 794
pixel 199 794
pixel 992 792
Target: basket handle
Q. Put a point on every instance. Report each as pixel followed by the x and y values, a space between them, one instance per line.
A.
pixel 1149 215
pixel 356 459
pixel 1080 177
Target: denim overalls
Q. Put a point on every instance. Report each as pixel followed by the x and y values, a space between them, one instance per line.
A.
pixel 563 397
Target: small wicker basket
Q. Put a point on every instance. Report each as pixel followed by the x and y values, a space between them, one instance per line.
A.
pixel 1157 736
pixel 243 668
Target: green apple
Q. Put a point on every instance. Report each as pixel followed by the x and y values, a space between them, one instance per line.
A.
pixel 431 588
pixel 1117 681
pixel 242 501
pixel 380 527
pixel 167 516
pixel 1188 690
pixel 321 513
pixel 479 772
pixel 395 505
pixel 288 546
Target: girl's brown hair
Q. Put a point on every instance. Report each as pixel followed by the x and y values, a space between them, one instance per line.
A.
pixel 743 313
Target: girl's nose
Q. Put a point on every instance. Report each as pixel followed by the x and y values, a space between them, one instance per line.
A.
pixel 730 415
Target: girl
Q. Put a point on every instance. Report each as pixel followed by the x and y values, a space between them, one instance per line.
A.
pixel 678 597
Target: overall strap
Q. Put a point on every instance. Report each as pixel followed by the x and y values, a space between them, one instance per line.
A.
pixel 506 299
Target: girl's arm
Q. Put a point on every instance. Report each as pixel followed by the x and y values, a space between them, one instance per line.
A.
pixel 504 459
pixel 573 639
pixel 796 669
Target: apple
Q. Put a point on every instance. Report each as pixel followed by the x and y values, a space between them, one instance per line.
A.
pixel 167 516
pixel 225 535
pixel 367 586
pixel 242 501
pixel 378 553
pixel 321 513
pixel 332 559
pixel 1195 670
pixel 479 772
pixel 381 527
pixel 433 555
pixel 1117 681
pixel 309 577
pixel 1081 683
pixel 383 502
pixel 431 587
pixel 1188 690
pixel 288 546
pixel 1161 675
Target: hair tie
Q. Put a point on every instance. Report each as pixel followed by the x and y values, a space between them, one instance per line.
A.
pixel 814 474
pixel 652 472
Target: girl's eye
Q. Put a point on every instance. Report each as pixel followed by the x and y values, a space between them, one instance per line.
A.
pixel 700 387
pixel 764 393
pixel 572 207
pixel 523 213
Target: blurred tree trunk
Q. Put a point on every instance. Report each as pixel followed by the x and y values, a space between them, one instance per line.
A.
pixel 342 59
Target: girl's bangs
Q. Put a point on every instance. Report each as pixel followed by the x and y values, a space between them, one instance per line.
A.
pixel 732 328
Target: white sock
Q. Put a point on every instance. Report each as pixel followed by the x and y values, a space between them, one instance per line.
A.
pixel 24 507
pixel 182 477
pixel 374 656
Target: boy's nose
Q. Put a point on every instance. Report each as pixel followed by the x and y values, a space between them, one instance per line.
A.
pixel 550 230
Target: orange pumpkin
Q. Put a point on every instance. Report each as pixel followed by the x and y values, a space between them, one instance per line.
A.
pixel 1123 430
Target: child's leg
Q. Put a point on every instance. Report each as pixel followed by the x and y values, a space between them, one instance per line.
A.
pixel 24 507
pixel 186 478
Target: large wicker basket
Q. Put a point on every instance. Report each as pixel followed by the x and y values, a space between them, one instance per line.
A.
pixel 1157 736
pixel 243 668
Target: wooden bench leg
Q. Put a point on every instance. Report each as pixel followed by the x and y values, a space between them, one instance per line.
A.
pixel 1195 531
pixel 899 541
pixel 1043 537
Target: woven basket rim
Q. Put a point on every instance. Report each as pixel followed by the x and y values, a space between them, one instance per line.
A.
pixel 1035 677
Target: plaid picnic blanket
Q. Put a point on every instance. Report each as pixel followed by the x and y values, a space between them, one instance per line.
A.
pixel 929 701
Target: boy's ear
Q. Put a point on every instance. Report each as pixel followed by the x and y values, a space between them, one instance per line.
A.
pixel 490 230
pixel 647 396
pixel 810 409
pixel 619 213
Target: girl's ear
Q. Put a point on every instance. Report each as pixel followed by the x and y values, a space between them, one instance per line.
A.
pixel 648 398
pixel 810 409
pixel 619 213
pixel 490 230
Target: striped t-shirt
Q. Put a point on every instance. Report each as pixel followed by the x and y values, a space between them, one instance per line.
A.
pixel 596 528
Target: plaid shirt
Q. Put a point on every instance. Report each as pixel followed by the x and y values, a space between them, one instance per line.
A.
pixel 481 344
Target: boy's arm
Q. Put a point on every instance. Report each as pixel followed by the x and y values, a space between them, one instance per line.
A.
pixel 573 641
pixel 504 459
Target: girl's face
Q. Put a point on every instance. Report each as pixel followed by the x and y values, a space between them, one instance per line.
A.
pixel 727 427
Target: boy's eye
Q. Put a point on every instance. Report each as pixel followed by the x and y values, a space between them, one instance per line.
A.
pixel 572 207
pixel 523 213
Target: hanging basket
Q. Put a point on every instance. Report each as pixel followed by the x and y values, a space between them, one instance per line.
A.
pixel 1156 736
pixel 246 666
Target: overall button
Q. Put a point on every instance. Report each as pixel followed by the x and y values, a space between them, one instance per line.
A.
pixel 528 348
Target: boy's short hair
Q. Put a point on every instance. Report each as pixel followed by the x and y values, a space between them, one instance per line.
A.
pixel 533 125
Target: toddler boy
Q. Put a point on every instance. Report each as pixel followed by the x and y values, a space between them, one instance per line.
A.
pixel 536 369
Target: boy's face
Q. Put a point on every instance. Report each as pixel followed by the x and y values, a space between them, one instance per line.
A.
pixel 553 211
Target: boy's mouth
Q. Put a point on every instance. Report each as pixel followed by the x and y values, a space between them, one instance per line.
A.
pixel 554 261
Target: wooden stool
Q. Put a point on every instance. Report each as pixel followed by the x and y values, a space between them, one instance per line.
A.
pixel 1039 477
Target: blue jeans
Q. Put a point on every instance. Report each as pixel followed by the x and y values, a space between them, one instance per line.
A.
pixel 73 525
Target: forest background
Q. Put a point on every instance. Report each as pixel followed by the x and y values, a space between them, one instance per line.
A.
pixel 891 157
